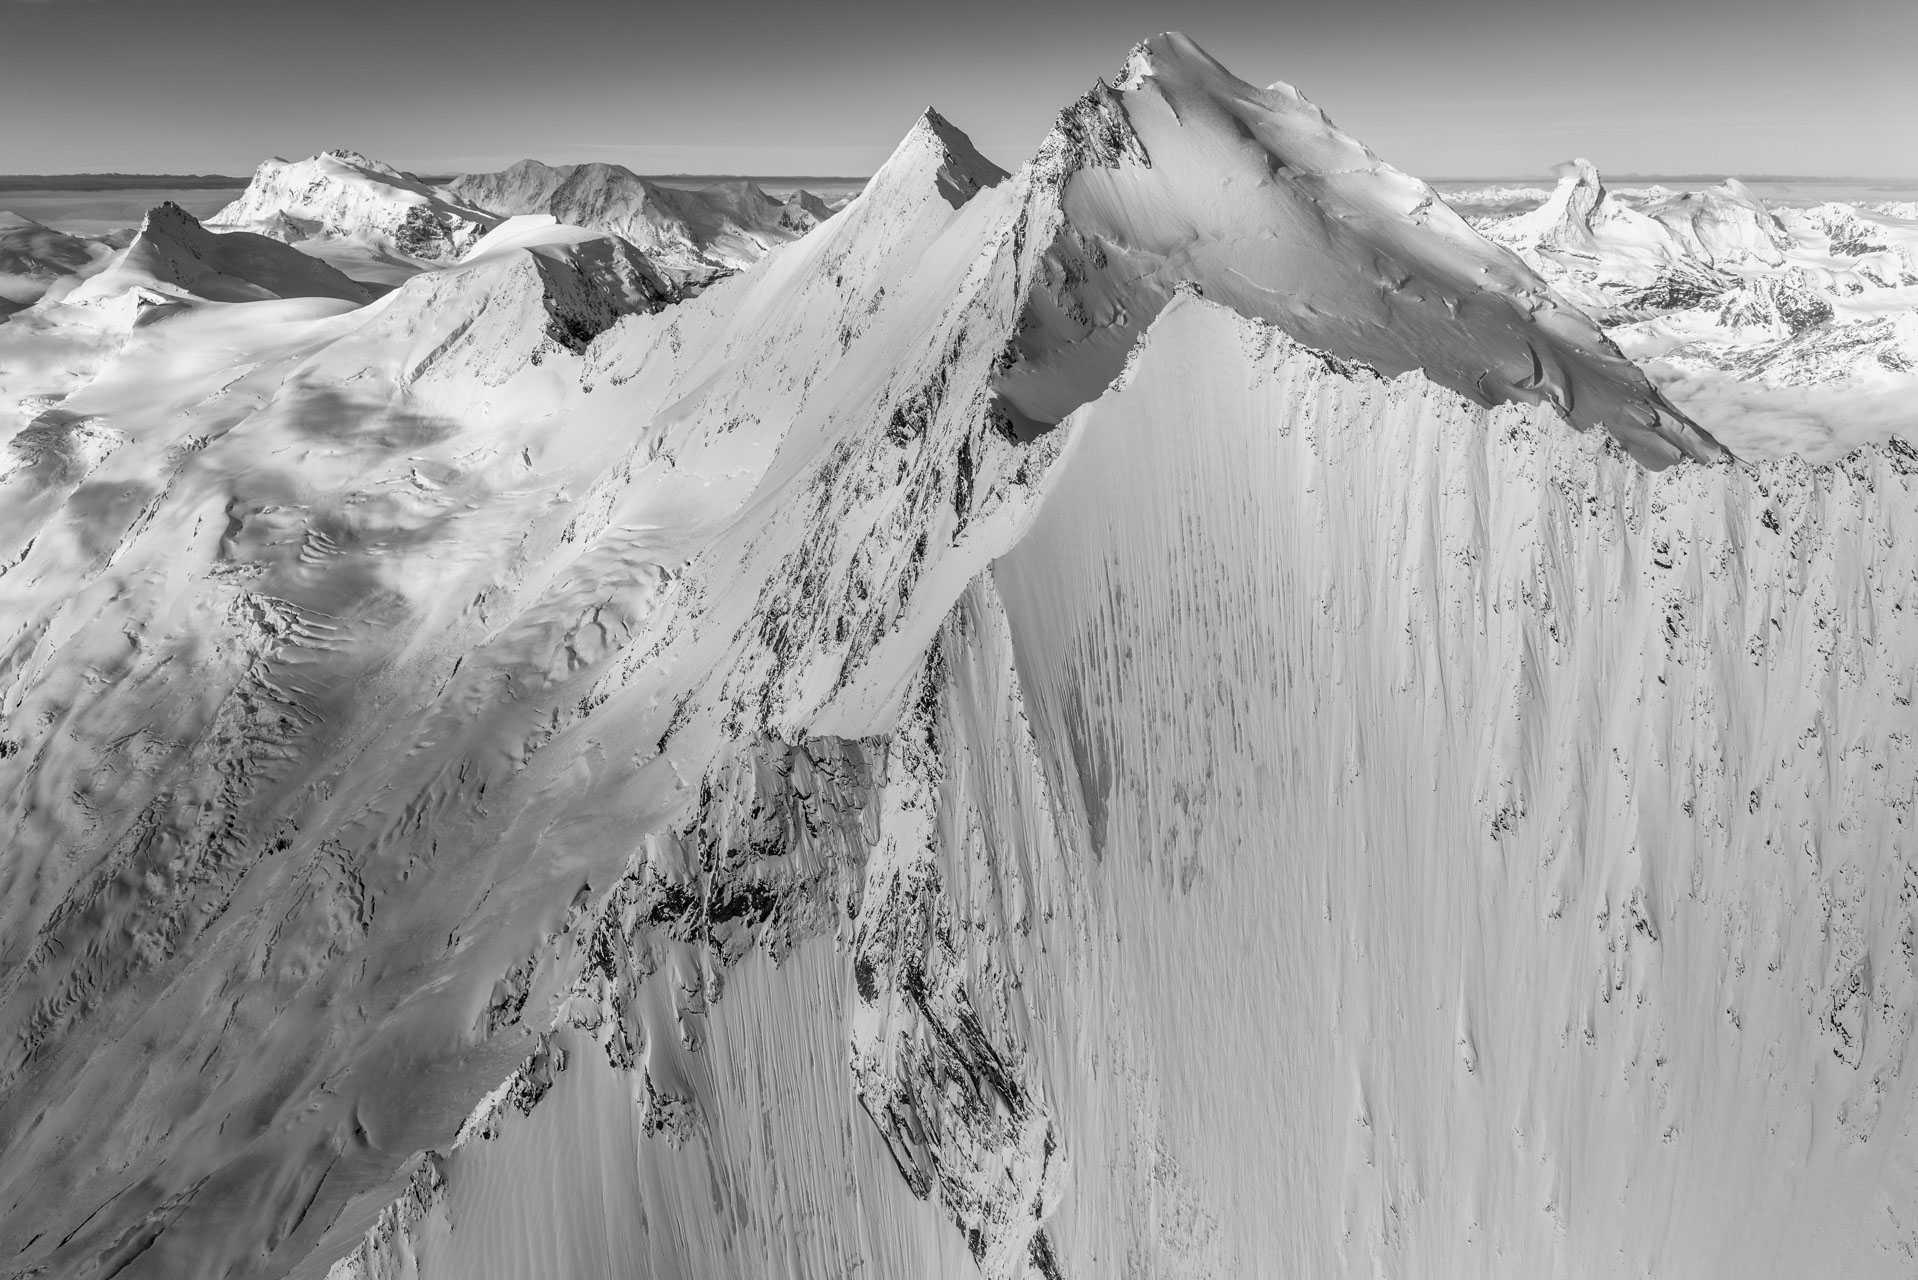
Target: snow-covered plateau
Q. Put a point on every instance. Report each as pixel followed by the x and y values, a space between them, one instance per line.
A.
pixel 1178 711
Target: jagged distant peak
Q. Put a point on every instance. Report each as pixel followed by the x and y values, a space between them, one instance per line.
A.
pixel 1579 183
pixel 1577 170
pixel 168 216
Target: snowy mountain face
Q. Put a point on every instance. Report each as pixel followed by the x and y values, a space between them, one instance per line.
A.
pixel 174 255
pixel 695 237
pixel 1174 711
pixel 355 211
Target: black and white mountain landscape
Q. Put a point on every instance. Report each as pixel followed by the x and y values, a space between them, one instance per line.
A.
pixel 1193 706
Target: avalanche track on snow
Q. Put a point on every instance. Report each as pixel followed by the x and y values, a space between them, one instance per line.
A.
pixel 1172 712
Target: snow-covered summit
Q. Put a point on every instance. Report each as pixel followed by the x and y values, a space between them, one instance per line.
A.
pixel 1564 221
pixel 1723 225
pixel 1182 173
pixel 961 169
pixel 344 194
pixel 174 255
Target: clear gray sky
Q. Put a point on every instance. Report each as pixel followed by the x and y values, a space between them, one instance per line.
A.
pixel 1458 88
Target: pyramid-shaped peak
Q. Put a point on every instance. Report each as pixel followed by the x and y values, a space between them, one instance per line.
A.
pixel 169 219
pixel 958 147
pixel 937 150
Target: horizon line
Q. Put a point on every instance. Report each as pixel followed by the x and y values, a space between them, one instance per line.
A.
pixel 217 180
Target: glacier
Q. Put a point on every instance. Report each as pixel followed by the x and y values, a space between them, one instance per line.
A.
pixel 1174 711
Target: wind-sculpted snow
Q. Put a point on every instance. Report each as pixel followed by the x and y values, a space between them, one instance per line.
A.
pixel 543 775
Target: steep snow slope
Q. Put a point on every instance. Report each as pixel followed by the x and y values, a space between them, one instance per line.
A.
pixel 317 549
pixel 1552 815
pixel 1544 810
pixel 515 780
pixel 695 236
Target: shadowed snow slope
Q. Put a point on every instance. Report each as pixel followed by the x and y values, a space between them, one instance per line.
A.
pixel 519 780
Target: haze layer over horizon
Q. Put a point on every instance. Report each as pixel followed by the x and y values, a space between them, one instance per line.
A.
pixel 1478 87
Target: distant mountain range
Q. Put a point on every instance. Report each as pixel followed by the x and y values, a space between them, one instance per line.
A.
pixel 1900 183
pixel 215 181
pixel 114 181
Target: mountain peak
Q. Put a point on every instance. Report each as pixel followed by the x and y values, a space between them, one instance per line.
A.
pixel 1184 172
pixel 169 218
pixel 939 150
